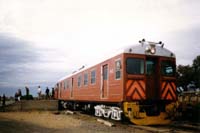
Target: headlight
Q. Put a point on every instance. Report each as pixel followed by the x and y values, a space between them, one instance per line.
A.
pixel 150 49
pixel 153 50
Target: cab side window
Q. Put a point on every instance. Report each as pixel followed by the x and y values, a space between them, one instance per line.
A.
pixel 118 69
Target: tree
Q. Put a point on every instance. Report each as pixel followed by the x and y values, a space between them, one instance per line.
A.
pixel 184 75
pixel 187 74
pixel 196 70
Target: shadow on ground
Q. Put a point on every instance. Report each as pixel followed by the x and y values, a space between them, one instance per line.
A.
pixel 12 126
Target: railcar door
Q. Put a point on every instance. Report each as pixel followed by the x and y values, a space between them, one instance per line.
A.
pixel 152 78
pixel 104 92
pixel 59 90
pixel 71 88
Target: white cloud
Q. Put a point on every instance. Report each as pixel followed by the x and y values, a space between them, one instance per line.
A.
pixel 88 27
pixel 41 20
pixel 67 34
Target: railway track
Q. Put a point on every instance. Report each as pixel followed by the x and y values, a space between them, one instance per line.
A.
pixel 169 129
pixel 175 127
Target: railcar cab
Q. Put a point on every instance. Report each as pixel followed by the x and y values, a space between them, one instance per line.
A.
pixel 149 82
pixel 158 70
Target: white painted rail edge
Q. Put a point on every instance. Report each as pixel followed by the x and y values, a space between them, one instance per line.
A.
pixel 69 112
pixel 106 122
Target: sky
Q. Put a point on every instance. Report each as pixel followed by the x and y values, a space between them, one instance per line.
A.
pixel 43 40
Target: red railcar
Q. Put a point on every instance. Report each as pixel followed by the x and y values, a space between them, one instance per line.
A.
pixel 138 83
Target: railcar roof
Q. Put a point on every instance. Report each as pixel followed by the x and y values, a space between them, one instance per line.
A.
pixel 141 49
pixel 136 49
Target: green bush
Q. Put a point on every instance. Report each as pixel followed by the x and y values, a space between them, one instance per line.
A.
pixel 27 97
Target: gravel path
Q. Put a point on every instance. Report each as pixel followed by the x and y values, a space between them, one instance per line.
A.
pixel 49 122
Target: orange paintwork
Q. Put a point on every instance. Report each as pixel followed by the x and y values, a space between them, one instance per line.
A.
pixel 135 89
pixel 94 92
pixel 168 91
pixel 127 88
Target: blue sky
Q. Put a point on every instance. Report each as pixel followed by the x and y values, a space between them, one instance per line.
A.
pixel 43 40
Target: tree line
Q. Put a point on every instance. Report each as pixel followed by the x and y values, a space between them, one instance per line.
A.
pixel 189 74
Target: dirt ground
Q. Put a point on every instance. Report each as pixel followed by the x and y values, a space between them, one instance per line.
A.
pixel 51 122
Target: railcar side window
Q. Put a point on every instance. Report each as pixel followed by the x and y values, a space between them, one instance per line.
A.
pixel 86 79
pixel 71 83
pixel 168 68
pixel 60 84
pixel 118 69
pixel 67 84
pixel 135 66
pixel 93 77
pixel 79 81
